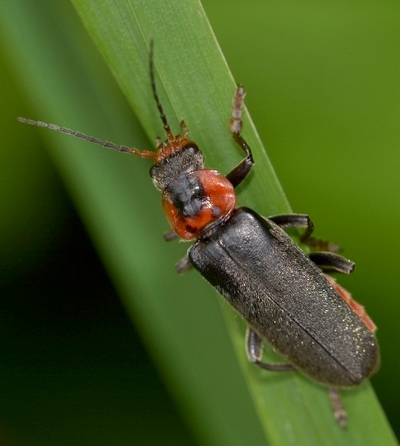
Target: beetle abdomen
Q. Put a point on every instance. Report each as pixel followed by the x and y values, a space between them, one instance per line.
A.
pixel 286 299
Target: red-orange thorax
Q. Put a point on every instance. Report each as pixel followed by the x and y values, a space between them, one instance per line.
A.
pixel 197 199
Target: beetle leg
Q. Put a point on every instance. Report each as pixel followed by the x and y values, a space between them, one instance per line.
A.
pixel 240 172
pixel 339 411
pixel 329 261
pixel 170 235
pixel 304 221
pixel 254 353
pixel 294 221
pixel 183 265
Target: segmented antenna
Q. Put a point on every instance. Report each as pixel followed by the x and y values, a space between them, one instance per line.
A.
pixel 155 95
pixel 106 144
pixel 111 145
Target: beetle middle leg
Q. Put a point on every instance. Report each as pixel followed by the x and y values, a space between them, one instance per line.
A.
pixel 327 260
pixel 254 353
pixel 304 221
pixel 331 262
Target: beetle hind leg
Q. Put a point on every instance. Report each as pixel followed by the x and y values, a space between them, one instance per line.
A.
pixel 338 409
pixel 254 354
pixel 326 259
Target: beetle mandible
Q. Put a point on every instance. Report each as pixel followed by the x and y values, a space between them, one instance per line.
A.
pixel 284 295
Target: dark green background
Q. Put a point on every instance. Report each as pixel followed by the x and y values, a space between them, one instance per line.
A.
pixel 323 85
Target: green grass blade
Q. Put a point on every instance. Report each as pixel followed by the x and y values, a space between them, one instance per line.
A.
pixel 179 317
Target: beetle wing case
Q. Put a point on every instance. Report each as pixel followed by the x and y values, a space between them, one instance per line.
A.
pixel 285 298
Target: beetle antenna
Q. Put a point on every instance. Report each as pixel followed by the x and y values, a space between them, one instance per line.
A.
pixel 106 144
pixel 155 95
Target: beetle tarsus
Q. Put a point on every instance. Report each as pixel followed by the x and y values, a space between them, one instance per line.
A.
pixel 235 124
pixel 276 367
pixel 170 235
pixel 339 411
pixel 320 244
pixel 183 265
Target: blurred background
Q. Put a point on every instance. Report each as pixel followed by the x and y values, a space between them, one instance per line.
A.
pixel 323 84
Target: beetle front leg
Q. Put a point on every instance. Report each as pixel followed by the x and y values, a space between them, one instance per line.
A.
pixel 254 353
pixel 304 221
pixel 240 172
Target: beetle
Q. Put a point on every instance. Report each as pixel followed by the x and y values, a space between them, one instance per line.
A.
pixel 284 295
